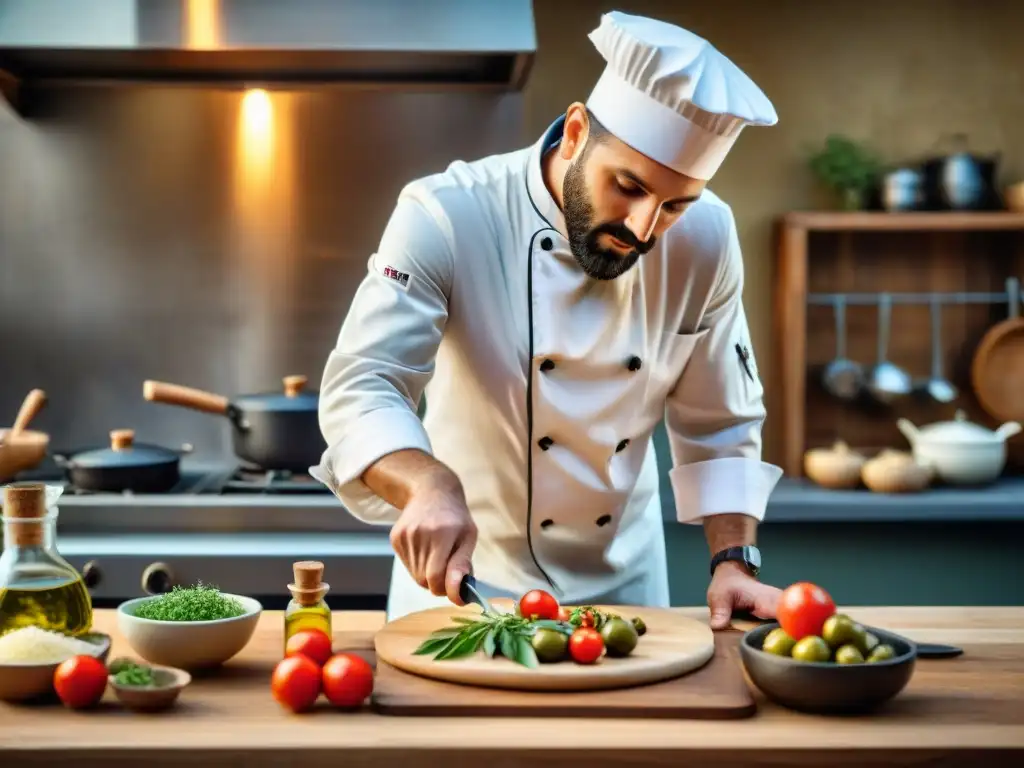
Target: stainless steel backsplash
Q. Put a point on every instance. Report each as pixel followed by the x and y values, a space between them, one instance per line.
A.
pixel 154 233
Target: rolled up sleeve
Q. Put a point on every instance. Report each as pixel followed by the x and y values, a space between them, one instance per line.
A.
pixel 715 413
pixel 376 374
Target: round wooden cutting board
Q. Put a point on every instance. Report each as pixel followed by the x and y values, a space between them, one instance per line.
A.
pixel 672 646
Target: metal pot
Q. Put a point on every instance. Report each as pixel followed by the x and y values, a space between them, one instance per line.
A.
pixel 124 466
pixel 273 431
pixel 960 451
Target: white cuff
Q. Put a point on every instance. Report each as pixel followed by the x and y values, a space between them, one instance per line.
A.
pixel 727 486
pixel 372 436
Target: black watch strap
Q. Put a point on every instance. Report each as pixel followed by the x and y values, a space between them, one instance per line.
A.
pixel 748 556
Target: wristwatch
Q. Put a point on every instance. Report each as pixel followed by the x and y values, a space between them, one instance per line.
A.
pixel 749 556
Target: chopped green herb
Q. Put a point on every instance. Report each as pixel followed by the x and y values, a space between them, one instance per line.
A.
pixel 129 673
pixel 198 603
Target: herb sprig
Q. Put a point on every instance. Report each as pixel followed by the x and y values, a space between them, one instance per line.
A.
pixel 507 634
pixel 129 673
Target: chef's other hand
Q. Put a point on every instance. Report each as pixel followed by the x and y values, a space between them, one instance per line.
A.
pixel 734 589
pixel 435 537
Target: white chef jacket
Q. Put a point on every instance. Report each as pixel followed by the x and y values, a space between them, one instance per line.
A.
pixel 544 386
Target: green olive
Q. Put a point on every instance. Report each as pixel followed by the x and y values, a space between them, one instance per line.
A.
pixel 868 644
pixel 778 642
pixel 620 637
pixel 849 654
pixel 881 652
pixel 641 628
pixel 550 645
pixel 811 648
pixel 840 630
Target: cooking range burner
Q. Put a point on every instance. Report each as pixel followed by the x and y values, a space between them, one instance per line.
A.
pixel 194 482
pixel 251 480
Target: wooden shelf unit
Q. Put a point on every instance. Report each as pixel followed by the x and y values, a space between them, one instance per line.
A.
pixel 869 252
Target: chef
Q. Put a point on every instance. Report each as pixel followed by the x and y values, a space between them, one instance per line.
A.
pixel 554 304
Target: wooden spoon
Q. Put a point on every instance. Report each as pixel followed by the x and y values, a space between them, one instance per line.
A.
pixel 30 408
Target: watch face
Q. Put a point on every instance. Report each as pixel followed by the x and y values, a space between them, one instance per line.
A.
pixel 752 556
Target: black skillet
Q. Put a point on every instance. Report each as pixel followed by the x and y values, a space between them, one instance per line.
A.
pixel 124 465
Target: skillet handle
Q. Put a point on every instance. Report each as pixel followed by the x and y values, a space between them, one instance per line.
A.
pixel 186 397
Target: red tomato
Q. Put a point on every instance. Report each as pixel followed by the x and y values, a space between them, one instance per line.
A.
pixel 803 609
pixel 80 681
pixel 311 643
pixel 586 645
pixel 587 619
pixel 538 604
pixel 295 683
pixel 564 613
pixel 347 680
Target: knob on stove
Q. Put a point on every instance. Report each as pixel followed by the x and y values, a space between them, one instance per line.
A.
pixel 157 578
pixel 91 574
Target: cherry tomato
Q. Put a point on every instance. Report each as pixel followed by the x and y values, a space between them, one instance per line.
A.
pixel 538 604
pixel 80 681
pixel 587 619
pixel 347 680
pixel 803 609
pixel 586 645
pixel 311 643
pixel 564 614
pixel 295 683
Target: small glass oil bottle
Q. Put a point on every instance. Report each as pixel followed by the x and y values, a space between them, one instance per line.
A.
pixel 307 609
pixel 38 587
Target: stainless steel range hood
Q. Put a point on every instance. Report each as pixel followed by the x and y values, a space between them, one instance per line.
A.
pixel 287 43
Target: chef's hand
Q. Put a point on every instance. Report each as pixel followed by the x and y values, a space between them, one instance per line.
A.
pixel 734 589
pixel 435 537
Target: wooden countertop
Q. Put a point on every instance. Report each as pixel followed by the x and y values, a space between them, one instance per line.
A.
pixel 954 711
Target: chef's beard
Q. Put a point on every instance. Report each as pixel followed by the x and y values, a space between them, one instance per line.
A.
pixel 597 262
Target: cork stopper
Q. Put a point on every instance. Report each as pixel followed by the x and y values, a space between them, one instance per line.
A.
pixel 27 503
pixel 308 588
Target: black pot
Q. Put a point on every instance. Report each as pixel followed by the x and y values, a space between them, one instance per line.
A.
pixel 271 430
pixel 123 466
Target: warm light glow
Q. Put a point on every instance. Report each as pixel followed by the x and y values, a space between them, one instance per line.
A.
pixel 202 24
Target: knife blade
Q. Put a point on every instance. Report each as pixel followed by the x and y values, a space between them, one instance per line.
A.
pixel 469 593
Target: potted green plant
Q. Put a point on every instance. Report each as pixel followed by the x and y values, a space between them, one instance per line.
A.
pixel 847 167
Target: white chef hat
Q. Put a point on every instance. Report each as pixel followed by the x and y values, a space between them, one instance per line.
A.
pixel 671 95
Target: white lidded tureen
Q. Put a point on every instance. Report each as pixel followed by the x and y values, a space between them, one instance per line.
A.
pixel 960 451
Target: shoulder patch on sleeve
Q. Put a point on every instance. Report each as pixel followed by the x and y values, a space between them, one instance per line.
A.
pixel 395 275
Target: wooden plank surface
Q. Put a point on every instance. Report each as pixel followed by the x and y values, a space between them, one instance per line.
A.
pixel 880 221
pixel 953 712
pixel 716 691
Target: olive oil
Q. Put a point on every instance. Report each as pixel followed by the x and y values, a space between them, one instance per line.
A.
pixel 38 587
pixel 307 609
pixel 60 604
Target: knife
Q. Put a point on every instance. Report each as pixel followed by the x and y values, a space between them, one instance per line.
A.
pixel 470 594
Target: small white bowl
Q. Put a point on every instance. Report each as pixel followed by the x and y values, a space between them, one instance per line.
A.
pixel 188 645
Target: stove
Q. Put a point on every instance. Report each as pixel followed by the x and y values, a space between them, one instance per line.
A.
pixel 234 527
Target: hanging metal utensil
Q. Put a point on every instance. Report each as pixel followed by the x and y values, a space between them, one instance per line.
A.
pixel 843 378
pixel 887 382
pixel 938 387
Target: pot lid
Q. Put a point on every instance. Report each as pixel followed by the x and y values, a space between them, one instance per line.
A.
pixel 123 452
pixel 293 397
pixel 959 430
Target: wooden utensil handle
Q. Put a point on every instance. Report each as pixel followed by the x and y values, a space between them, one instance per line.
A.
pixel 186 397
pixel 30 407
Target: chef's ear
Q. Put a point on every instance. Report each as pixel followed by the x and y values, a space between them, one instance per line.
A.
pixel 575 131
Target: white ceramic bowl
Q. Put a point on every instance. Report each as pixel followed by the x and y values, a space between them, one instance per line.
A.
pixel 188 644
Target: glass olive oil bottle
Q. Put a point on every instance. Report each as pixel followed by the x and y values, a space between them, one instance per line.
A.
pixel 37 586
pixel 307 609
